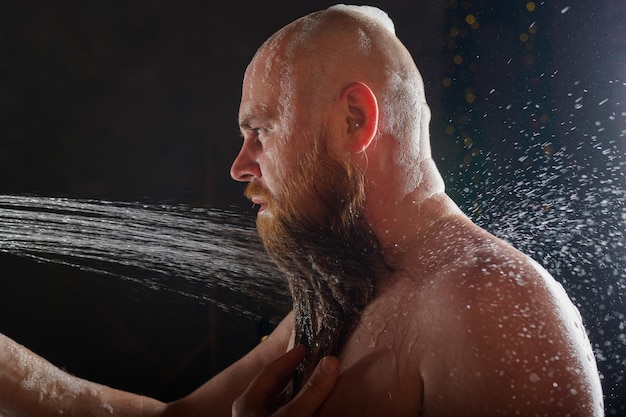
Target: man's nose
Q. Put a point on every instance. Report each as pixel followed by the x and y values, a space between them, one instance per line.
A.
pixel 245 167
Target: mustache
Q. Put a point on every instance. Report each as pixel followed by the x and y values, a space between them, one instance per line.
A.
pixel 257 190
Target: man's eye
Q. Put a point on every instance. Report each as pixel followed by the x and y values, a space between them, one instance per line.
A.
pixel 256 135
pixel 259 133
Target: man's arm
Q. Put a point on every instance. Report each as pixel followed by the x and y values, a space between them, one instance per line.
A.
pixel 32 387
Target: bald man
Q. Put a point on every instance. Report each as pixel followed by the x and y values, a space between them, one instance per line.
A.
pixel 401 305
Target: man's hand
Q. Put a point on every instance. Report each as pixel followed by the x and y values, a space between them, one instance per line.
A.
pixel 261 397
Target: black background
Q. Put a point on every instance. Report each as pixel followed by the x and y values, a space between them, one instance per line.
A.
pixel 137 101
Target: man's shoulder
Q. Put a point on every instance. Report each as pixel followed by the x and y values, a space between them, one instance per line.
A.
pixel 464 267
pixel 502 331
pixel 499 300
pixel 491 276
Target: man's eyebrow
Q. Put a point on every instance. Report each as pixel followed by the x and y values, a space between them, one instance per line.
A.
pixel 245 126
pixel 254 116
pixel 244 123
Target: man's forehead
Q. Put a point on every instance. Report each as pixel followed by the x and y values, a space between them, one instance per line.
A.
pixel 256 94
pixel 262 77
pixel 255 112
pixel 264 93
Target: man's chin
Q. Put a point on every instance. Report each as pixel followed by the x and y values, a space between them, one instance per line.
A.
pixel 265 224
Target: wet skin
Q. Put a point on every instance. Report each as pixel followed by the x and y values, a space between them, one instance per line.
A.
pixel 471 328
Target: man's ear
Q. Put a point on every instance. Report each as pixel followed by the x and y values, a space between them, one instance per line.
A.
pixel 361 116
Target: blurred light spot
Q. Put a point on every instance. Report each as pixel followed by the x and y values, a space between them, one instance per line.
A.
pixel 548 149
pixel 530 6
pixel 458 59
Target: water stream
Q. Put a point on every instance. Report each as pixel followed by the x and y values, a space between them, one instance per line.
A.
pixel 209 255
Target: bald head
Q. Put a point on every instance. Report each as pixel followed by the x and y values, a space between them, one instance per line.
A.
pixel 299 76
pixel 316 56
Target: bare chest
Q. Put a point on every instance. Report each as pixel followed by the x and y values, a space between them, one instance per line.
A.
pixel 380 362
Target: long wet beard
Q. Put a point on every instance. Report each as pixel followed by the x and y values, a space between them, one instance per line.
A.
pixel 331 258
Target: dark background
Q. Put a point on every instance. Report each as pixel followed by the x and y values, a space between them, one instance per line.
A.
pixel 137 101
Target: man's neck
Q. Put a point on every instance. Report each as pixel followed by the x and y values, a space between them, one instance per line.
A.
pixel 400 221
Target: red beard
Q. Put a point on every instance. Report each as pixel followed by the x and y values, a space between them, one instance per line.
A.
pixel 314 232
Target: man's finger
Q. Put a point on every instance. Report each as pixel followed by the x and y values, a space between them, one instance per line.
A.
pixel 265 388
pixel 315 391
